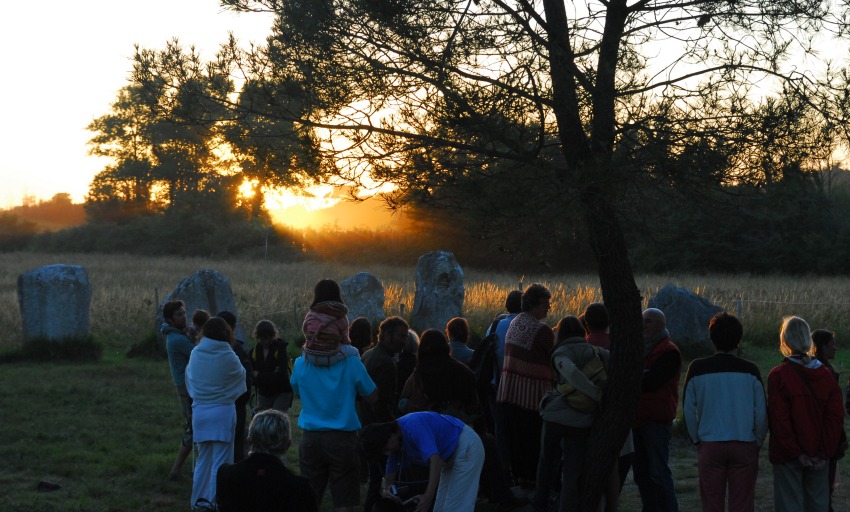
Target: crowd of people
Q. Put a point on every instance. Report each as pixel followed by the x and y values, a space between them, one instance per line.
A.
pixel 433 422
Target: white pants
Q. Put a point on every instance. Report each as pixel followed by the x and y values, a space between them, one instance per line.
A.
pixel 458 488
pixel 211 455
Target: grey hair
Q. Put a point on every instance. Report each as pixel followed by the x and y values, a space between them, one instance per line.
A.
pixel 657 314
pixel 411 345
pixel 795 337
pixel 270 432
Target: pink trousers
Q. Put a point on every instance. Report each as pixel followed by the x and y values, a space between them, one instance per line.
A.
pixel 731 465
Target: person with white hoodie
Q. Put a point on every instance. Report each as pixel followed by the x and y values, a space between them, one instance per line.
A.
pixel 214 379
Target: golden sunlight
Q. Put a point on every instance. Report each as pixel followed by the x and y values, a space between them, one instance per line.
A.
pixel 323 206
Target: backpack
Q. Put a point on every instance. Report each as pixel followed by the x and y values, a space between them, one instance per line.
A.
pixel 483 362
pixel 594 369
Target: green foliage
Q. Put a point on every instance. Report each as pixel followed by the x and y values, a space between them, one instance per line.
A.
pixel 795 225
pixel 15 231
pixel 150 347
pixel 185 232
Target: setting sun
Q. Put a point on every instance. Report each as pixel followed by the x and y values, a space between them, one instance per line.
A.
pixel 322 206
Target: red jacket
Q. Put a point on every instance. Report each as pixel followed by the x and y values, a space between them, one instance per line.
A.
pixel 804 418
pixel 658 404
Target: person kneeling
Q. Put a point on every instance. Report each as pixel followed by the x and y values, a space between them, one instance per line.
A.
pixel 451 449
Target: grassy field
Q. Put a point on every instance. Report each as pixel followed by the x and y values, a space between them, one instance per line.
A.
pixel 107 431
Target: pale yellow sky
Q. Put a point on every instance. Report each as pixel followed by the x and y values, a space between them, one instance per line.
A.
pixel 62 63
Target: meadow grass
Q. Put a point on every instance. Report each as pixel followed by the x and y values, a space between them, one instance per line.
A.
pixel 126 291
pixel 107 431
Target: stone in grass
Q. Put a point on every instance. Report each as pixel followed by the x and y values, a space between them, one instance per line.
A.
pixel 363 293
pixel 205 289
pixel 54 303
pixel 687 317
pixel 439 291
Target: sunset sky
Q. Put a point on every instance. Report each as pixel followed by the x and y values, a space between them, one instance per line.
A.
pixel 63 63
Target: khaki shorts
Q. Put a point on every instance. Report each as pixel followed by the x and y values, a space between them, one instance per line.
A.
pixel 332 457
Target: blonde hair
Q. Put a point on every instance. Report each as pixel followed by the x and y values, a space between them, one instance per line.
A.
pixel 795 337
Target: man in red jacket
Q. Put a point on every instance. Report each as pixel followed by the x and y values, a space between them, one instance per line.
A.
pixel 659 398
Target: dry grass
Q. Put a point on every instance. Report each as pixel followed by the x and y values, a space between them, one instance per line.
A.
pixel 126 290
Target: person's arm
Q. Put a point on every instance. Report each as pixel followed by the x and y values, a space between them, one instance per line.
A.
pixel 689 409
pixel 387 487
pixel 426 499
pixel 364 384
pixel 235 376
pixel 293 380
pixel 664 369
pixel 576 378
pixel 759 411
pixel 371 398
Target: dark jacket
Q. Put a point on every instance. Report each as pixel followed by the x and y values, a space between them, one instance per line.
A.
pixel 272 369
pixel 381 367
pixel 261 483
pixel 445 385
pixel 239 348
pixel 662 369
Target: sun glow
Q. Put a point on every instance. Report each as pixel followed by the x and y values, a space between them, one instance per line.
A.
pixel 326 205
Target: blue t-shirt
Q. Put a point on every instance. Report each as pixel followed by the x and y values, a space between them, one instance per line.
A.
pixel 501 332
pixel 424 434
pixel 461 352
pixel 328 393
pixel 179 347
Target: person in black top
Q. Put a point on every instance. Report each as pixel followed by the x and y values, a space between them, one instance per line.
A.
pixel 261 482
pixel 271 369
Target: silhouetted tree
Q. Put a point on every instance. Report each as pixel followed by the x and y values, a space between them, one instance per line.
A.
pixel 427 91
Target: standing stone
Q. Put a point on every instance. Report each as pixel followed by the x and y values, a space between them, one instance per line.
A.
pixel 439 291
pixel 363 293
pixel 687 316
pixel 54 302
pixel 205 289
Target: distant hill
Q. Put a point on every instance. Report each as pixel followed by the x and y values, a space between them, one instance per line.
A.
pixel 54 214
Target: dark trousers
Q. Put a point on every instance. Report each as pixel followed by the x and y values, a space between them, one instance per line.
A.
pixel 494 483
pixel 561 447
pixel 523 432
pixel 239 434
pixel 373 489
pixel 651 467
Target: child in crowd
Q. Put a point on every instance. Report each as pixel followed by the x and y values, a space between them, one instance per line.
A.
pixel 325 327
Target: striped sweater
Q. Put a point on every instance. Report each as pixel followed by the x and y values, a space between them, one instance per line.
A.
pixel 526 374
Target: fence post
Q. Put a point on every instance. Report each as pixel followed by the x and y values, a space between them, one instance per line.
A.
pixel 401 308
pixel 740 307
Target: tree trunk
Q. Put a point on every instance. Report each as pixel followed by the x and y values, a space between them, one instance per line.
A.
pixel 624 303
